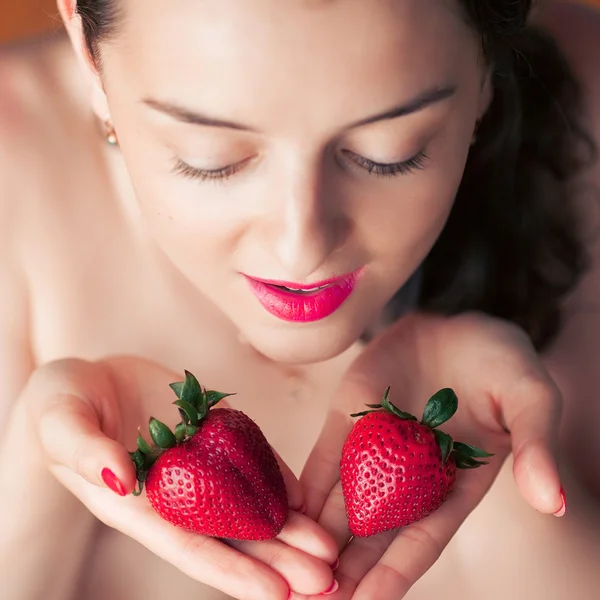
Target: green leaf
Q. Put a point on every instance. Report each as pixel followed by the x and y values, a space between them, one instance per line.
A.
pixel 191 430
pixel 191 392
pixel 177 387
pixel 467 450
pixel 387 405
pixel 441 406
pixel 376 407
pixel 466 462
pixel 149 461
pixel 180 432
pixel 138 460
pixel 142 444
pixel 445 442
pixel 191 414
pixel 161 435
pixel 362 414
pixel 213 397
pixel 203 408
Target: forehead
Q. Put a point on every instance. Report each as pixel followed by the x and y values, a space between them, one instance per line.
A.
pixel 281 52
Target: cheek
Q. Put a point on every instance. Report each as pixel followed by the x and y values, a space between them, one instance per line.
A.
pixel 181 217
pixel 195 223
pixel 190 221
pixel 187 218
pixel 401 229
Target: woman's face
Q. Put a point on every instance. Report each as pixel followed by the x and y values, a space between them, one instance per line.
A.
pixel 307 143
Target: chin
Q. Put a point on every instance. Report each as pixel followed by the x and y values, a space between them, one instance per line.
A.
pixel 303 346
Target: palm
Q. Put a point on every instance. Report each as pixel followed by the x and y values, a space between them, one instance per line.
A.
pixel 491 367
pixel 92 426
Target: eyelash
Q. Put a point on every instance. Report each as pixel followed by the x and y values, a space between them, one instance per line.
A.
pixel 416 163
pixel 405 167
pixel 184 169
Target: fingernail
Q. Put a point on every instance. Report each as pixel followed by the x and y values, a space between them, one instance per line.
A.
pixel 563 509
pixel 335 565
pixel 334 586
pixel 112 482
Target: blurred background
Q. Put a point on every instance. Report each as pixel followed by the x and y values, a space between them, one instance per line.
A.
pixel 24 18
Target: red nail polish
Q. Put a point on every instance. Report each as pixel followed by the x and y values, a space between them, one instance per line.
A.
pixel 335 565
pixel 112 482
pixel 334 586
pixel 563 509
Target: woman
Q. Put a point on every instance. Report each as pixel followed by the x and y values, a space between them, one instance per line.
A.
pixel 273 184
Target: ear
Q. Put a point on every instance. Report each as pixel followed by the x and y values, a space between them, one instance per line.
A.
pixel 88 67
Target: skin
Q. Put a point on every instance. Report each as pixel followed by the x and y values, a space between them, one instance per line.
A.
pixel 157 277
pixel 300 209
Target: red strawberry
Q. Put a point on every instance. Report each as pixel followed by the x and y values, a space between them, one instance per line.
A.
pixel 396 470
pixel 216 475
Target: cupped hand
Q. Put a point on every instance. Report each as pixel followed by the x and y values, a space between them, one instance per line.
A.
pixel 507 403
pixel 86 416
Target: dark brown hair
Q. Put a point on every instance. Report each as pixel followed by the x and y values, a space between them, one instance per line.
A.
pixel 511 247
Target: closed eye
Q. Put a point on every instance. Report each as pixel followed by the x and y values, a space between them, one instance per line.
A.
pixel 405 167
pixel 182 168
pixel 416 163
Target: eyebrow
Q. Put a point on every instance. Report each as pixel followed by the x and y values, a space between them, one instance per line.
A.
pixel 420 102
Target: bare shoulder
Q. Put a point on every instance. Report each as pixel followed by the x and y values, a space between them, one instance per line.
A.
pixel 25 73
pixel 43 120
pixel 13 123
pixel 28 102
pixel 19 85
pixel 29 94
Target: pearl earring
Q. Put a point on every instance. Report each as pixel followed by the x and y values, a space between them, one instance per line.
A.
pixel 109 132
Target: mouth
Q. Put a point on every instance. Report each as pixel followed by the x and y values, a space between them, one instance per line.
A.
pixel 303 303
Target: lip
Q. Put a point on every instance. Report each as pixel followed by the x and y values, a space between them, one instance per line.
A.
pixel 304 306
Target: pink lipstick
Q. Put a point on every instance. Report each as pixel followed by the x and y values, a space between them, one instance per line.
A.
pixel 303 303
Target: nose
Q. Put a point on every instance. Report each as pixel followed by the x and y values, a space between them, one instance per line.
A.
pixel 309 225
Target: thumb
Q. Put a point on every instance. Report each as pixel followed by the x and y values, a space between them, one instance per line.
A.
pixel 69 402
pixel 532 415
pixel 321 472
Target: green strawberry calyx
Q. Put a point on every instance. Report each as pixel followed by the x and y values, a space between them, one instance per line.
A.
pixel 439 409
pixel 194 402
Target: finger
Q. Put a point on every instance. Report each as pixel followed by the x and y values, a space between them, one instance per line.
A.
pixel 70 434
pixel 303 533
pixel 333 517
pixel 532 414
pixel 359 558
pixel 203 558
pixel 71 404
pixel 301 554
pixel 292 485
pixel 322 469
pixel 305 574
pixel 370 570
